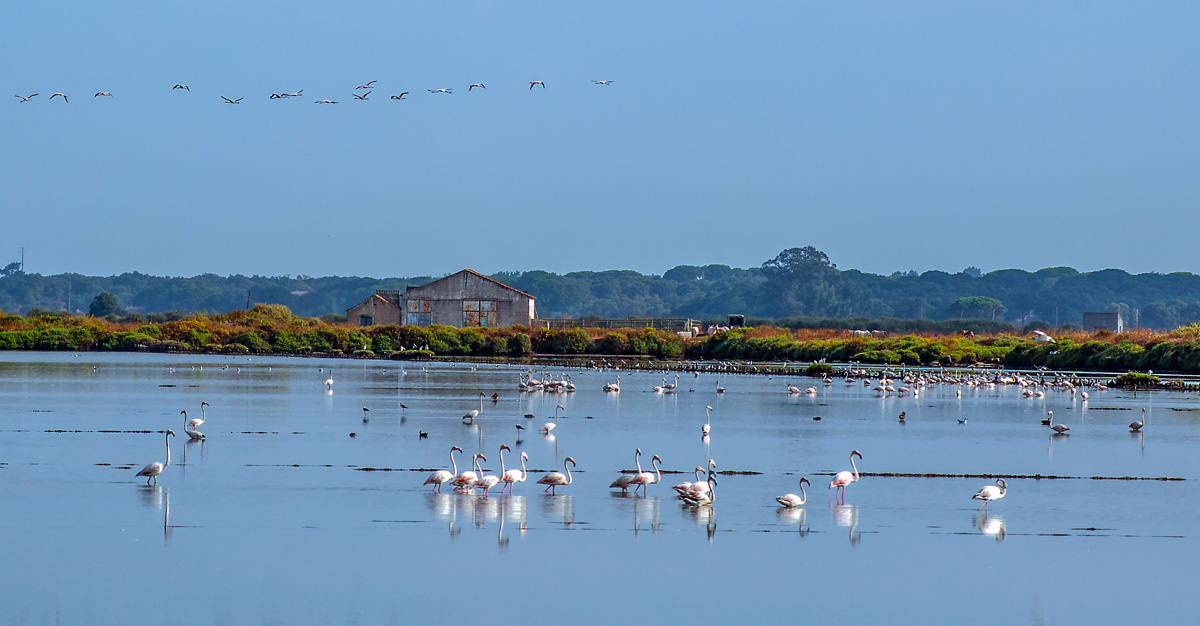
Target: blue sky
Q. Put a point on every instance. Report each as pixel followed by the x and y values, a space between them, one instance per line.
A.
pixel 891 135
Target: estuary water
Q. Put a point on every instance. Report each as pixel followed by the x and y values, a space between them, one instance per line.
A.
pixel 294 510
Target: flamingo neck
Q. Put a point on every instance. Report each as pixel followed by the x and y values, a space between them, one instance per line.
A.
pixel 657 472
pixel 168 463
pixel 568 473
pixel 453 465
pixel 803 496
pixel 523 472
pixel 638 461
pixel 855 468
pixel 501 461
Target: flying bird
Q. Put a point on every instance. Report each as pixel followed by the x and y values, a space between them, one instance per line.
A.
pixel 26 98
pixel 367 86
pixel 362 97
pixel 536 82
pixel 103 93
pixel 230 101
pixel 442 90
pixel 184 87
pixel 401 96
pixel 601 82
pixel 64 96
pixel 479 85
pixel 291 95
pixel 275 96
pixel 326 102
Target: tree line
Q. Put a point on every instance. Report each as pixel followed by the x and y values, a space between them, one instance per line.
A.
pixel 797 284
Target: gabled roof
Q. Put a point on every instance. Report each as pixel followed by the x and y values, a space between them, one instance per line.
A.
pixel 478 275
pixel 376 296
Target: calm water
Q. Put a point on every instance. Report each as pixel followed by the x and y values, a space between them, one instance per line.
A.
pixel 270 520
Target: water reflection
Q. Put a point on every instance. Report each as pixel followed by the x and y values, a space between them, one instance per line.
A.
pixel 846 516
pixel 794 516
pixel 556 507
pixel 156 497
pixel 992 525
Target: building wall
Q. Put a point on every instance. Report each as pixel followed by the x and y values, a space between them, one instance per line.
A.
pixel 1103 321
pixel 466 299
pixel 378 309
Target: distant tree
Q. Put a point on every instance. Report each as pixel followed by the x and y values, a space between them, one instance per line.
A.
pixel 973 272
pixel 103 305
pixel 798 263
pixel 977 306
pixel 12 269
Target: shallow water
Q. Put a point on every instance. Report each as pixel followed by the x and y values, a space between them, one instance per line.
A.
pixel 272 520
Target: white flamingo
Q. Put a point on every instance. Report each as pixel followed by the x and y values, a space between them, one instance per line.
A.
pixel 152 470
pixel 556 479
pixel 707 424
pixel 193 433
pixel 844 478
pixel 702 486
pixel 491 480
pixel 671 387
pixel 1136 426
pixel 61 95
pixel 194 424
pixel 473 413
pixel 1057 428
pixel 479 85
pixel 792 389
pixel 991 493
pixel 441 477
pixel 791 500
pixel 466 480
pixel 513 476
pixel 643 479
pixel 442 90
pixel 625 481
pixel 549 426
pixel 536 82
pixel 720 389
pixel 682 488
pixel 329 381
pixel 703 497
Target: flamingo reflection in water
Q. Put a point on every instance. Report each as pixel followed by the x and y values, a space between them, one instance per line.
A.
pixel 846 516
pixel 794 516
pixel 993 525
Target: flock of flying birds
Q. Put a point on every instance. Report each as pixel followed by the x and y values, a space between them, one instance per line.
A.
pixel 364 95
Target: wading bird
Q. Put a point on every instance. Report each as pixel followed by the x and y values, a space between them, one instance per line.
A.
pixel 365 416
pixel 228 101
pixel 682 488
pixel 549 426
pixel 329 381
pixel 362 97
pixel 991 493
pixel 292 95
pixel 512 476
pixel 467 479
pixel 152 470
pixel 326 102
pixel 556 479
pixel 844 478
pixel 1136 426
pixel 708 423
pixel 473 413
pixel 441 477
pixel 193 433
pixel 203 416
pixel 791 500
pixel 491 480
pixel 601 82
pixel 702 497
pixel 625 481
pixel 442 90
pixel 643 479
pixel 1057 428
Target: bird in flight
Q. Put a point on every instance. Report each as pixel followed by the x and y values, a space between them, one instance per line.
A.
pixel 326 102
pixel 228 100
pixel 536 82
pixel 26 98
pixel 401 96
pixel 184 87
pixel 276 96
pixel 103 93
pixel 64 97
pixel 291 95
pixel 479 85
pixel 601 82
pixel 362 97
pixel 442 90
pixel 366 86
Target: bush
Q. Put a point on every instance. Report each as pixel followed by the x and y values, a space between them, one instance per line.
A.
pixel 252 341
pixel 818 369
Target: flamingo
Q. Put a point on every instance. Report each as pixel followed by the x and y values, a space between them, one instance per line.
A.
pixel 103 93
pixel 1136 426
pixel 61 95
pixel 792 389
pixel 401 96
pixel 536 82
pixel 682 488
pixel 991 492
pixel 194 424
pixel 811 391
pixel 292 95
pixel 646 478
pixel 513 476
pixel 791 500
pixel 1057 428
pixel 193 433
pixel 362 97
pixel 624 481
pixel 442 90
pixel 703 497
pixel 599 82
pixel 556 479
pixel 329 381
pixel 26 98
pixel 720 389
pixel 325 102
pixel 671 387
pixel 844 478
pixel 368 85
pixel 441 477
pixel 708 424
pixel 228 101
pixel 466 480
pixel 549 426
pixel 702 486
pixel 152 470
pixel 183 87
pixel 479 85
pixel 473 413
pixel 491 480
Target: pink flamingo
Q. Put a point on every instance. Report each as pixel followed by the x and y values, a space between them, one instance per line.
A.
pixel 466 480
pixel 491 480
pixel 991 493
pixel 791 500
pixel 625 481
pixel 556 479
pixel 152 470
pixel 513 476
pixel 441 477
pixel 646 478
pixel 549 426
pixel 844 478
pixel 682 488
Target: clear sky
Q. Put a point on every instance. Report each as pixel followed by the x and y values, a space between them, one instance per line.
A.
pixel 891 135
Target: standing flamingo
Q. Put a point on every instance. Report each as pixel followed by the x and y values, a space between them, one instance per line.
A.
pixel 472 414
pixel 466 480
pixel 556 479
pixel 991 493
pixel 702 486
pixel 329 381
pixel 791 500
pixel 1057 428
pixel 1136 426
pixel 491 480
pixel 844 478
pixel 549 426
pixel 193 433
pixel 682 488
pixel 646 478
pixel 625 481
pixel 203 416
pixel 513 476
pixel 708 423
pixel 720 389
pixel 441 477
pixel 704 497
pixel 152 470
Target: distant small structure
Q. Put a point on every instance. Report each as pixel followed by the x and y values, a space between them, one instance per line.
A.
pixel 381 308
pixel 736 321
pixel 465 299
pixel 1111 322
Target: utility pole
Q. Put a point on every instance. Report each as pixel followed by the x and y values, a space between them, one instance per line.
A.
pixel 68 292
pixel 248 299
pixel 22 259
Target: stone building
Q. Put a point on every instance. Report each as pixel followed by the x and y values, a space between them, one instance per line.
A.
pixel 467 298
pixel 1103 321
pixel 381 308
